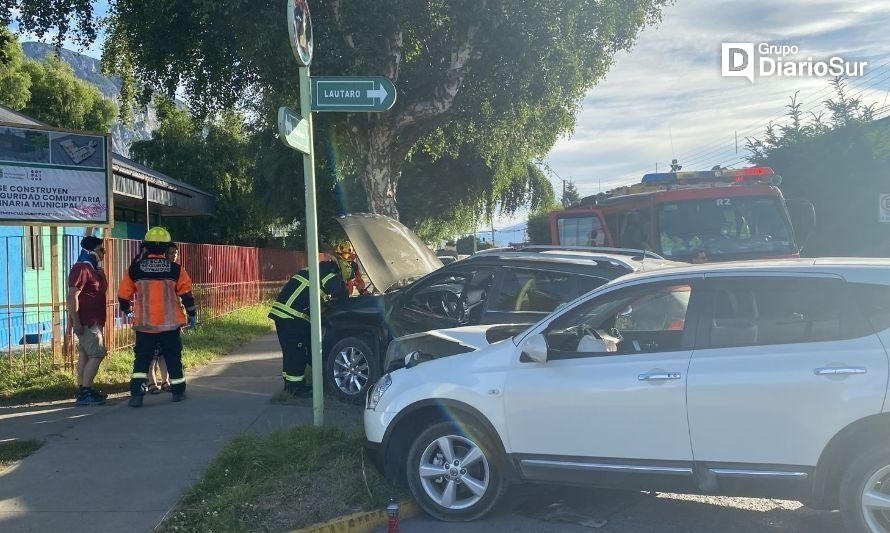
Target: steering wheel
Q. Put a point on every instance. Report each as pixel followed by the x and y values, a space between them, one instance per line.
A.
pixel 584 329
pixel 451 305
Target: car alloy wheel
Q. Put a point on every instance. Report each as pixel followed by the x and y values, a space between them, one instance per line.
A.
pixel 454 472
pixel 351 370
pixel 875 501
pixel 351 367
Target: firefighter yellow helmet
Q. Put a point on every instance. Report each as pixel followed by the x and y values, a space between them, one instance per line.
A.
pixel 158 234
pixel 345 251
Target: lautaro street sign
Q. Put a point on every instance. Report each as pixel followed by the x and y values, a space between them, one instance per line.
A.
pixel 352 93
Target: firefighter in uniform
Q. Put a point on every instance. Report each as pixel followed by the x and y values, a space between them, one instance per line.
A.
pixel 158 285
pixel 346 260
pixel 290 312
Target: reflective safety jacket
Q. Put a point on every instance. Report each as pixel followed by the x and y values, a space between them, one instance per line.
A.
pixel 293 300
pixel 158 285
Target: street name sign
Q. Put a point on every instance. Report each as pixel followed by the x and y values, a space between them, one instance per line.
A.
pixel 352 93
pixel 294 130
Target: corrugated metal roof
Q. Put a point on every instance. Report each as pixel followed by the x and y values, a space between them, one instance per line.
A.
pixel 14 117
pixel 171 197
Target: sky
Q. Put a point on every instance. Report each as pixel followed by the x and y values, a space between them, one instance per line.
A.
pixel 666 98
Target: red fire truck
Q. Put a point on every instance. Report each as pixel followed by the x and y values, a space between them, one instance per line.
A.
pixel 715 215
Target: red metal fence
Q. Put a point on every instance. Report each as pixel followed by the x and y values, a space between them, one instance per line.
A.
pixel 32 304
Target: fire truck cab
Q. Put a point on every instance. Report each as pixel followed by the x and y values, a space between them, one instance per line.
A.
pixel 703 216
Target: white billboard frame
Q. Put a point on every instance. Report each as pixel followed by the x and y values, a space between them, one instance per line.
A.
pixel 106 170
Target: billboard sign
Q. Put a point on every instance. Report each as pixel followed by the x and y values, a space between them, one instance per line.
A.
pixel 52 176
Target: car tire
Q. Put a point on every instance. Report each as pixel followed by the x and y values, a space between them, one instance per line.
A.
pixel 459 494
pixel 868 474
pixel 351 368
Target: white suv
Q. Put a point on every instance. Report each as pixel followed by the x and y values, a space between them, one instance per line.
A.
pixel 760 379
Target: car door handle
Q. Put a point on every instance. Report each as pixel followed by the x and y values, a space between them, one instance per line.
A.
pixel 840 370
pixel 658 376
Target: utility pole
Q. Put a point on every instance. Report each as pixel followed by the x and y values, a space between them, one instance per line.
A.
pixel 492 232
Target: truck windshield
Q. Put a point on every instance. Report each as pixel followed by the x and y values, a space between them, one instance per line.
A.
pixel 724 228
pixel 581 231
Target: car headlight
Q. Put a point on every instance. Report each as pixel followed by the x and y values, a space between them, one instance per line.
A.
pixel 378 390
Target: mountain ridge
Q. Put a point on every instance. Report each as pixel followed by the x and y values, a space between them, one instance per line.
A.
pixel 144 121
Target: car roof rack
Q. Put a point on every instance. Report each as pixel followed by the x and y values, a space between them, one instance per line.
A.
pixel 632 252
pixel 616 260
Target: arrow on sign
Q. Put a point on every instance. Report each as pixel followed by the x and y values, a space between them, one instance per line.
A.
pixel 380 94
pixel 352 93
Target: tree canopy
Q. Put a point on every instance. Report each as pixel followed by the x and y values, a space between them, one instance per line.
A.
pixel 840 163
pixel 215 154
pixel 49 91
pixel 63 18
pixel 484 86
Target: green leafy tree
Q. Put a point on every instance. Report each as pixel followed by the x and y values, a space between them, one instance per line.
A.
pixel 15 83
pixel 49 91
pixel 539 227
pixel 59 98
pixel 841 165
pixel 499 80
pixel 570 195
pixel 64 18
pixel 217 155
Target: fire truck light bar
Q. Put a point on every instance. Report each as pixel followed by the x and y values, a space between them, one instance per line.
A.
pixel 736 175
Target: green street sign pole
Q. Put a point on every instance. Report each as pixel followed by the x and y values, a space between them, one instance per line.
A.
pixel 312 255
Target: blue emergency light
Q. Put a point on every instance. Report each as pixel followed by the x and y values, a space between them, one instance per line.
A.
pixel 660 177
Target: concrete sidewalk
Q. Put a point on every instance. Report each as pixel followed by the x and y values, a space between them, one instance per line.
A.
pixel 114 468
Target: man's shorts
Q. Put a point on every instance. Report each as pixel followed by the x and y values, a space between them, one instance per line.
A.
pixel 92 342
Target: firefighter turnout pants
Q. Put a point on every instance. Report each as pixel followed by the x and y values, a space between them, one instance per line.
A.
pixel 169 343
pixel 294 335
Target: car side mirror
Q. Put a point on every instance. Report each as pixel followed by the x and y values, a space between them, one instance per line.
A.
pixel 535 348
pixel 803 218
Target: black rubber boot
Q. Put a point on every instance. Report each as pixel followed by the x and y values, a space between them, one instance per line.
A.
pixel 135 401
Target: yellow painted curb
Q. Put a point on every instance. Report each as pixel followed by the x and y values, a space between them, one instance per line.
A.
pixel 361 522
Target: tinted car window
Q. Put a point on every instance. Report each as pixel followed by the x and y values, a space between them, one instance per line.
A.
pixel 535 290
pixel 763 311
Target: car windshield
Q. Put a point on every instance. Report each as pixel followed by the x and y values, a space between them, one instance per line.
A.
pixel 724 228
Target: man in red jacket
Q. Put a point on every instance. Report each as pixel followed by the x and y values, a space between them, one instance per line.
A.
pixel 86 315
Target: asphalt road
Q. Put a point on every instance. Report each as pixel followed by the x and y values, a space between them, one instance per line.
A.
pixel 569 510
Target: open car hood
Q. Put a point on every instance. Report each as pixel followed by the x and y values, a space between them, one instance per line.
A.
pixel 388 251
pixel 411 350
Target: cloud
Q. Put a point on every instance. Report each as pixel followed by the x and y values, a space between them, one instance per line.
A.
pixel 666 98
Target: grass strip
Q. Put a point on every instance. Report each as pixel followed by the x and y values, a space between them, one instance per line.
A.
pixel 282 481
pixel 21 384
pixel 16 450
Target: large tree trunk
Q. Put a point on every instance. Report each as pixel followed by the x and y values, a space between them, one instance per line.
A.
pixel 391 136
pixel 382 172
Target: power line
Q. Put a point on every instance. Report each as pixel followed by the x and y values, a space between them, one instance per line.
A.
pixel 816 99
pixel 710 153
